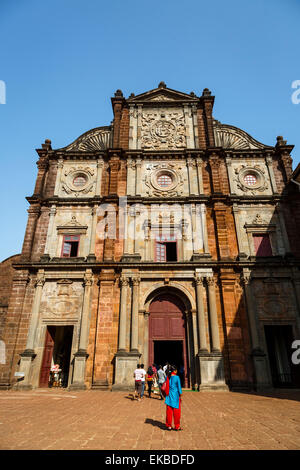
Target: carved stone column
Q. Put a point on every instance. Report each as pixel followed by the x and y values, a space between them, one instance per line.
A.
pixel 191 164
pixel 124 282
pixel 60 165
pixel 91 257
pixel 204 228
pixel 147 238
pixel 269 162
pixel 201 315
pixel 131 244
pixel 125 361
pixel 135 315
pixel 52 214
pixel 138 176
pixel 184 226
pixel 81 355
pixel 230 174
pixel 100 166
pixel 213 315
pixel 211 363
pixel 262 378
pixel 29 354
pixel 146 338
pixel 236 215
pixel 199 164
pixel 131 177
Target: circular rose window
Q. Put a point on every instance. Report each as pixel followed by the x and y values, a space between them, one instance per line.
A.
pixel 250 179
pixel 164 180
pixel 79 180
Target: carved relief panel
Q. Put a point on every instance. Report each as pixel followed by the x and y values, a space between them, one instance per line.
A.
pixel 78 180
pixel 250 178
pixel 165 179
pixel 275 298
pixel 163 129
pixel 61 300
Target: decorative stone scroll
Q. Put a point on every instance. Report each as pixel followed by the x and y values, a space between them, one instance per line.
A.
pixel 95 139
pixel 232 137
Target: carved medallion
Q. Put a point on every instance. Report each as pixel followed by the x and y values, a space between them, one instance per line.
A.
pixel 78 180
pixel 164 180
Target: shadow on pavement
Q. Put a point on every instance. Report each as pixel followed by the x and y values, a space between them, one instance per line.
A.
pixel 155 423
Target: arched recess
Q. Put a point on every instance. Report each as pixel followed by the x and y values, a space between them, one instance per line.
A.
pixel 170 332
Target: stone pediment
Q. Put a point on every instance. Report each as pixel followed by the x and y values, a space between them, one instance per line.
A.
pixel 71 227
pixel 94 139
pixel 231 137
pixel 162 94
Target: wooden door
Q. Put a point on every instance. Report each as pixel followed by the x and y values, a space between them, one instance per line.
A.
pixel 47 356
pixel 167 322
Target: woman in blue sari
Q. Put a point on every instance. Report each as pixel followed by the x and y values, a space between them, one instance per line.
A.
pixel 173 400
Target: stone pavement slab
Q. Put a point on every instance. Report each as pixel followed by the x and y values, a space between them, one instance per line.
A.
pixel 46 419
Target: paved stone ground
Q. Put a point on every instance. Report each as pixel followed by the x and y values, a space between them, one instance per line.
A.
pixel 58 419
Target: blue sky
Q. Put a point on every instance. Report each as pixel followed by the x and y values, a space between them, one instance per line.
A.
pixel 62 60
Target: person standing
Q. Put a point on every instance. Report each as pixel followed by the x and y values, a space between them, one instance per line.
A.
pixel 173 400
pixel 137 382
pixel 161 377
pixel 143 380
pixel 150 379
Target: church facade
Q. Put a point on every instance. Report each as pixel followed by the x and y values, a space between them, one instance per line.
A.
pixel 166 236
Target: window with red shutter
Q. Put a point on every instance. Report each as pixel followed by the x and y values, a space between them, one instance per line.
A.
pixel 262 245
pixel 166 248
pixel 70 246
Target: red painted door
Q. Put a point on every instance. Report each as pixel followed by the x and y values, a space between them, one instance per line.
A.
pixel 167 323
pixel 47 356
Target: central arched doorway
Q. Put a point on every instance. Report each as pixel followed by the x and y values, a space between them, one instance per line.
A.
pixel 167 334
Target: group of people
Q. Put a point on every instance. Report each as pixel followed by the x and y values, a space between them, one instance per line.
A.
pixel 161 375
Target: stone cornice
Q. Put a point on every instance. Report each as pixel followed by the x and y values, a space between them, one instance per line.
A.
pixel 284 262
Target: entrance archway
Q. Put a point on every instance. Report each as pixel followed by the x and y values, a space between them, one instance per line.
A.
pixel 167 334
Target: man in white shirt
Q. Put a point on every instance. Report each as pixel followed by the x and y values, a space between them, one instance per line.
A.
pixel 138 382
pixel 143 380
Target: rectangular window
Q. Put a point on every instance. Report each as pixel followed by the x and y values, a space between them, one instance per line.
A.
pixel 262 245
pixel 70 246
pixel 166 249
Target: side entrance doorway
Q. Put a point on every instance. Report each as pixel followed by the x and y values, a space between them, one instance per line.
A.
pixel 167 334
pixel 279 341
pixel 57 351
